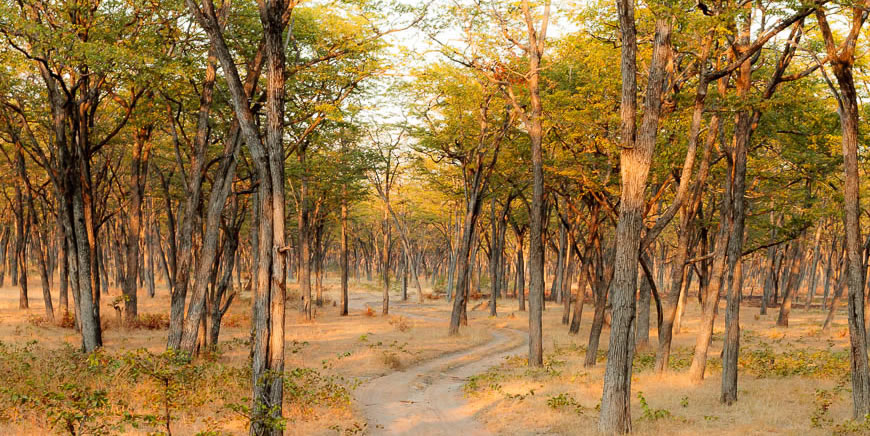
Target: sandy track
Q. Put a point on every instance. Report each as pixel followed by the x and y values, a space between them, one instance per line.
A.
pixel 426 399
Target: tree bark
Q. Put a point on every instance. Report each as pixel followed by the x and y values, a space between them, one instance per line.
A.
pixel 635 161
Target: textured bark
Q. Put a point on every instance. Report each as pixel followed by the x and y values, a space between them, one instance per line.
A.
pixel 385 260
pixel 604 266
pixel 838 292
pixel 463 275
pixel 304 218
pixel 582 281
pixel 635 161
pixel 567 298
pixel 671 300
pixel 220 301
pixel 4 246
pixel 193 194
pixel 267 344
pixel 597 325
pixel 734 280
pixel 451 268
pixel 831 269
pixel 138 174
pixel 643 310
pixel 713 289
pixel 792 284
pixel 221 187
pixel 534 126
pixel 22 234
pixel 688 275
pixel 814 266
pixel 63 277
pixel 521 270
pixel 208 259
pixel 72 182
pixel 343 309
pixel 842 61
pixel 42 254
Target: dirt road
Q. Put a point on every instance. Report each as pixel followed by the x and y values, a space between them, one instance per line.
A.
pixel 426 399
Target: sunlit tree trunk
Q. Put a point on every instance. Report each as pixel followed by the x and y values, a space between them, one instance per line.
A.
pixel 635 161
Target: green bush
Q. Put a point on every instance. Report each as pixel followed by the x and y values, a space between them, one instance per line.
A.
pixel 565 401
pixel 765 363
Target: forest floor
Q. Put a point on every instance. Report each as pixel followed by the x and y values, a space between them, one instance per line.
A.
pixel 402 373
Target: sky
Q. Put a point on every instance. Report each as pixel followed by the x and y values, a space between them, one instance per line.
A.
pixel 414 48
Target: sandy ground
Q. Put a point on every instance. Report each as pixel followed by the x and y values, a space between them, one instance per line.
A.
pixel 394 357
pixel 414 379
pixel 426 399
pixel 515 400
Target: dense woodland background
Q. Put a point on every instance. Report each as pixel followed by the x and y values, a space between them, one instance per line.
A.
pixel 665 163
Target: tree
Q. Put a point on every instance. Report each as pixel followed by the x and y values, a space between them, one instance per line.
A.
pixel 842 59
pixel 635 162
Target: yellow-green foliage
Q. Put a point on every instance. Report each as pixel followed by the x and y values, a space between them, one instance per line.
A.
pixel 764 362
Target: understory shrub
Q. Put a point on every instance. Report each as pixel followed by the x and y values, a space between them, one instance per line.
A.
pixel 68 392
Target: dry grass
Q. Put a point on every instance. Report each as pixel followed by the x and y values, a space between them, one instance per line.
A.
pixel 347 350
pixel 791 379
pixel 791 382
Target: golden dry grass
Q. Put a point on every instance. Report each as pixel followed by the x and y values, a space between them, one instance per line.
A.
pixel 512 399
pixel 357 347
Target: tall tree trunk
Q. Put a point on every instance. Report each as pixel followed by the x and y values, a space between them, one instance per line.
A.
pixel 521 272
pixel 849 122
pixel 814 266
pixel 138 172
pixel 494 258
pixel 193 194
pixel 464 256
pixel 267 344
pixel 63 277
pixel 643 310
pixel 385 260
pixel 21 235
pixel 734 284
pixel 582 276
pixel 671 301
pixel 635 161
pixel 343 310
pixel 536 216
pixel 304 238
pixel 712 289
pixel 4 244
pixel 792 284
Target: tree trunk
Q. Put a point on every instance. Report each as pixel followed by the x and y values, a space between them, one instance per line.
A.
pixel 138 174
pixel 343 310
pixel 193 188
pixel 385 260
pixel 304 239
pixel 814 266
pixel 849 120
pixel 582 276
pixel 643 309
pixel 635 161
pixel 734 284
pixel 792 284
pixel 521 273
